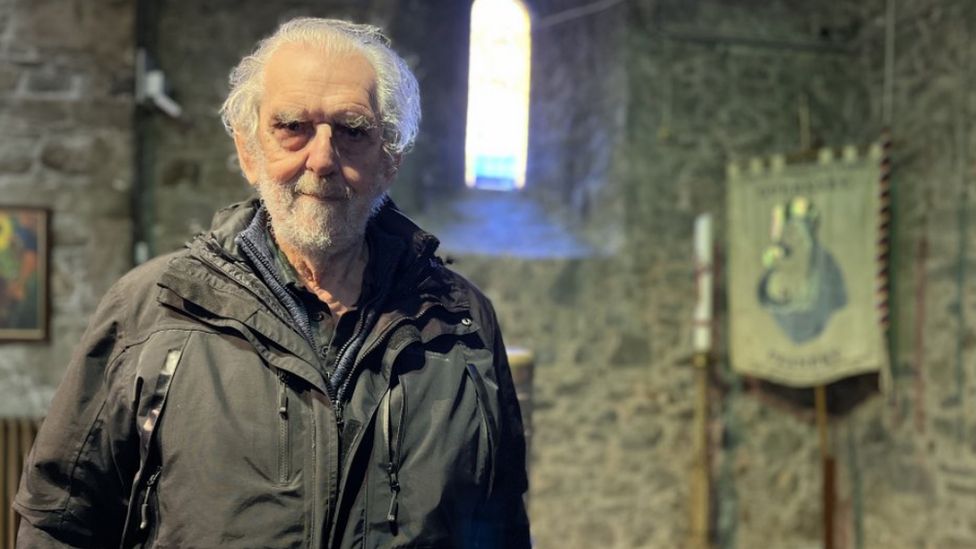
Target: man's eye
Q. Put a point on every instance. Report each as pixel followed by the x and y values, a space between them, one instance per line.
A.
pixel 355 133
pixel 294 126
pixel 291 134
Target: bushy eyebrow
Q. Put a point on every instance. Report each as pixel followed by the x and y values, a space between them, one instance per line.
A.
pixel 349 119
pixel 288 116
pixel 357 121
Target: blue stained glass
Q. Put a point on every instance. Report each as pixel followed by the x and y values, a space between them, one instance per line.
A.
pixel 494 172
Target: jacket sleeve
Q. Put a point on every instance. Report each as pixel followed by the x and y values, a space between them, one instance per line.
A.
pixel 506 509
pixel 75 484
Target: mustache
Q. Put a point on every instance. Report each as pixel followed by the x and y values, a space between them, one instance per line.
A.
pixel 321 187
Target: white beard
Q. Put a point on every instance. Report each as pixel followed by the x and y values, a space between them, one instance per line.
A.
pixel 314 226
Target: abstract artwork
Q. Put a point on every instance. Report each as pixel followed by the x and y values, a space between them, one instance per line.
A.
pixel 23 273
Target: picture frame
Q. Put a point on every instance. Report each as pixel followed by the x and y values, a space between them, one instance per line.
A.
pixel 24 253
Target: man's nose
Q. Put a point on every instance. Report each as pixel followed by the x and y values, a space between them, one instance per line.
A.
pixel 322 158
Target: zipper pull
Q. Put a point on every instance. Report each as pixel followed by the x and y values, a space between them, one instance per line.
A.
pixel 283 397
pixel 144 509
pixel 391 515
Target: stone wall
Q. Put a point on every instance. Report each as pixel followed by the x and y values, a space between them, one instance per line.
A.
pixel 928 460
pixel 65 113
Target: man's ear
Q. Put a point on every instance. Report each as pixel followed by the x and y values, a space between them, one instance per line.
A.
pixel 245 155
pixel 392 166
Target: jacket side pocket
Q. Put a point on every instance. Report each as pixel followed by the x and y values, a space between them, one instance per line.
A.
pixel 392 418
pixel 150 410
pixel 284 439
pixel 150 505
pixel 489 426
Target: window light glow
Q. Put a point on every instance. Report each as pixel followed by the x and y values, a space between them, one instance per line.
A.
pixel 498 95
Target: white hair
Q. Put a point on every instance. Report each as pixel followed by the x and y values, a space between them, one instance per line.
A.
pixel 397 92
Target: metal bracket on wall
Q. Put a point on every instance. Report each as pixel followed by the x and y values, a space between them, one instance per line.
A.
pixel 151 87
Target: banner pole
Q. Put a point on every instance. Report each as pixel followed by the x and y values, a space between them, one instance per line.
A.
pixel 701 478
pixel 701 513
pixel 828 465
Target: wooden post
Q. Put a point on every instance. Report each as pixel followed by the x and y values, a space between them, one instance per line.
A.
pixel 702 341
pixel 701 472
pixel 828 465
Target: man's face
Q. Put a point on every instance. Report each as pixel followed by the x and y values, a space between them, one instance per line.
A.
pixel 319 163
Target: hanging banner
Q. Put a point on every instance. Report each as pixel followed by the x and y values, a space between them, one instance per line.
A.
pixel 806 264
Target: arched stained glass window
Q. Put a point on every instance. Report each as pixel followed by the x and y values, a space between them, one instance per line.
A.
pixel 497 136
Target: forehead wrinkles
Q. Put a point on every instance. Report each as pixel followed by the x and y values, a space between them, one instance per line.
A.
pixel 315 69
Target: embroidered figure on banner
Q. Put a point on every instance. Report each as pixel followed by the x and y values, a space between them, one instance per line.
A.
pixel 801 284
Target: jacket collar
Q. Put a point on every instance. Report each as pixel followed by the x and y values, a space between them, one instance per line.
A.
pixel 231 220
pixel 215 280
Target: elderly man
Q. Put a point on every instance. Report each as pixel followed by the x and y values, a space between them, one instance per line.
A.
pixel 306 374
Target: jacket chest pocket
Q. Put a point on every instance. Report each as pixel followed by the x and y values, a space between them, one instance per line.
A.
pixel 235 426
pixel 232 445
pixel 432 458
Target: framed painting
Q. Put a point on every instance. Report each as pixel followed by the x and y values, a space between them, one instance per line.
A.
pixel 23 273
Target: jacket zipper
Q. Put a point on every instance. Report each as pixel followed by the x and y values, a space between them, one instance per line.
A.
pixel 144 509
pixel 283 438
pixel 365 351
pixel 394 441
pixel 336 491
pixel 334 392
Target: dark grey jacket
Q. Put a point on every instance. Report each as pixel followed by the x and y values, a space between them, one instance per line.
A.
pixel 192 415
